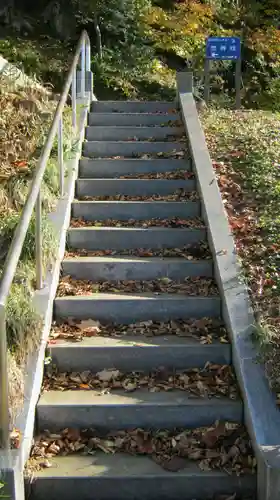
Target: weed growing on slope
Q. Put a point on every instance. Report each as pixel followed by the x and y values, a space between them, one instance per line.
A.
pixel 46 59
pixel 245 149
pixel 24 122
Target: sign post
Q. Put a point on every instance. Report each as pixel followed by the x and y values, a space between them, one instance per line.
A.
pixel 223 49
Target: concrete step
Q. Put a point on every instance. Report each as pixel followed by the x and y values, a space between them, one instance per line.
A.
pixel 133 268
pixel 125 210
pixel 81 409
pixel 118 133
pixel 125 477
pixel 92 168
pixel 107 149
pixel 138 353
pixel 133 106
pixel 128 308
pixel 118 238
pixel 131 187
pixel 132 119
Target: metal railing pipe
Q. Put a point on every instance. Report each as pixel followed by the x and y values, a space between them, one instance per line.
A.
pixel 74 101
pixel 60 155
pixel 22 227
pixel 83 70
pixel 34 199
pixel 4 387
pixel 39 242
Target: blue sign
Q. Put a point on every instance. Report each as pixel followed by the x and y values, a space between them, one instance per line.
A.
pixel 223 48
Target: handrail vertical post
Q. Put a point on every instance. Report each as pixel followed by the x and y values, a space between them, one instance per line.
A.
pixel 4 386
pixel 74 102
pixel 39 242
pixel 83 69
pixel 60 155
pixel 88 61
pixel 88 69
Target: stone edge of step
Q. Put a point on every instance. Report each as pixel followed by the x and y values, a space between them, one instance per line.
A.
pixel 137 353
pixel 125 308
pixel 95 398
pixel 145 132
pixel 133 471
pixel 147 119
pixel 133 268
pixel 143 409
pixel 135 161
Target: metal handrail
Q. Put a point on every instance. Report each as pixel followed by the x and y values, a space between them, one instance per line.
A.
pixel 34 201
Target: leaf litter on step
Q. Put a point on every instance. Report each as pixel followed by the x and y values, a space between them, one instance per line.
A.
pixel 170 111
pixel 166 138
pixel 188 286
pixel 224 446
pixel 172 154
pixel 211 381
pixel 174 222
pixel 203 330
pixel 194 251
pixel 171 175
pixel 169 123
pixel 178 195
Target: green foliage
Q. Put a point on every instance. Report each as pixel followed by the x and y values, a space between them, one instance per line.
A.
pixel 45 59
pixel 135 32
pixel 8 225
pixel 23 321
pixel 182 29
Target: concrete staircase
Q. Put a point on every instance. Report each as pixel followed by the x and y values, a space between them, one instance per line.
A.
pixel 132 139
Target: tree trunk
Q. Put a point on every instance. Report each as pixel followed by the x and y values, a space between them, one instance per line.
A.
pixel 98 37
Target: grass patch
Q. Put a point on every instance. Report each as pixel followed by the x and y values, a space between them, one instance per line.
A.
pixel 245 149
pixel 44 58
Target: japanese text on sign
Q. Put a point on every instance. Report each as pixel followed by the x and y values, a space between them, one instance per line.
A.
pixel 223 48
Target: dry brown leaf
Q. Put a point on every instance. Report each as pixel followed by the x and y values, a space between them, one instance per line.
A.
pixel 89 327
pixel 107 375
pixel 211 437
pixel 174 464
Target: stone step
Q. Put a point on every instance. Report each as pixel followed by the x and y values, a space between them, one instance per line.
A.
pixel 133 106
pixel 131 187
pixel 132 119
pixel 107 149
pixel 128 308
pixel 118 133
pixel 118 238
pixel 139 353
pixel 125 477
pixel 133 268
pixel 125 210
pixel 93 168
pixel 118 410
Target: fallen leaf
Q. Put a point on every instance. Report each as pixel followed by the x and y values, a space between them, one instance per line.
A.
pixel 211 437
pixel 129 387
pixel 20 163
pixel 89 327
pixel 174 464
pixel 107 375
pixel 46 464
